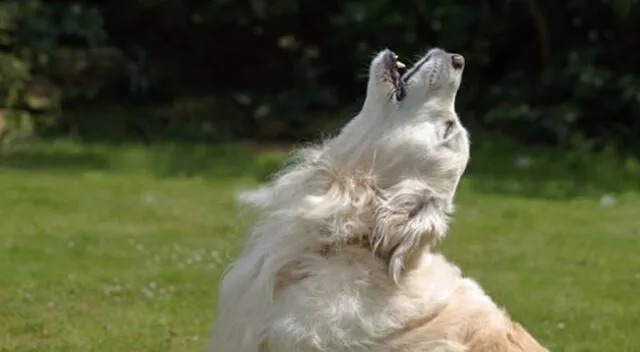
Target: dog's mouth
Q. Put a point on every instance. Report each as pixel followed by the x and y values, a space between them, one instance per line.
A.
pixel 407 76
pixel 394 70
pixel 456 62
pixel 399 76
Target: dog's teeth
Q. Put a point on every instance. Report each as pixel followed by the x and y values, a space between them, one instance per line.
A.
pixel 400 64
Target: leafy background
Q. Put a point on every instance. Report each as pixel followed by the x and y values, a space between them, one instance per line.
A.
pixel 126 127
pixel 539 71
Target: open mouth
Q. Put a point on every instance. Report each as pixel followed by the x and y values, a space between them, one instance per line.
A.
pixel 417 67
pixel 394 68
pixel 399 76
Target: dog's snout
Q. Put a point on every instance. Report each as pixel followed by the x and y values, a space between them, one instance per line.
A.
pixel 457 61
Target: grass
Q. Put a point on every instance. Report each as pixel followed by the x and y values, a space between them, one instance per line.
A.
pixel 119 248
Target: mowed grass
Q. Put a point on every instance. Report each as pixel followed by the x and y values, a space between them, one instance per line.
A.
pixel 119 248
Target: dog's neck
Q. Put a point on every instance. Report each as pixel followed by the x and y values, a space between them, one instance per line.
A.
pixel 367 135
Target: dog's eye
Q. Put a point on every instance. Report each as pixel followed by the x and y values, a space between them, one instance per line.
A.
pixel 448 127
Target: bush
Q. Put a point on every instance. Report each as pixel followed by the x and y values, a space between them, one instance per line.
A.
pixel 538 71
pixel 50 54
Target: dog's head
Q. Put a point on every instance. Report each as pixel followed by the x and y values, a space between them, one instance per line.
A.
pixel 408 127
pixel 409 140
pixel 391 173
pixel 434 79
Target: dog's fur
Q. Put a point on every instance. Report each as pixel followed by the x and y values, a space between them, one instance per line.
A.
pixel 341 258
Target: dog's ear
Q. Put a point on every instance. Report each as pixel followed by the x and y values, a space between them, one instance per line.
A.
pixel 409 217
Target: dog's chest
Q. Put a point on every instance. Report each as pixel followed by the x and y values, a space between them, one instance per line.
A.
pixel 345 301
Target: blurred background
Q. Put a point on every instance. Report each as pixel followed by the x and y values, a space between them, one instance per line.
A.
pixel 126 127
pixel 543 72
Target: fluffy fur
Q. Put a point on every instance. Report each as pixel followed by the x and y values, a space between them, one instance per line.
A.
pixel 341 260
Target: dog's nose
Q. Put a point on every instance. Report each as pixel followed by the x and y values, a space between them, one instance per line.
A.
pixel 457 60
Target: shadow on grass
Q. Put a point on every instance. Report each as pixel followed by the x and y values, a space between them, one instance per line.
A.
pixel 495 167
pixel 46 160
pixel 510 169
pixel 223 161
pixel 160 160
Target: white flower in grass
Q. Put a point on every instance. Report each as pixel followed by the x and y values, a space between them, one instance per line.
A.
pixel 148 293
pixel 607 200
pixel 149 198
pixel 524 161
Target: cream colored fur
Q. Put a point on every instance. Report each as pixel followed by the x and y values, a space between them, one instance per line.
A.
pixel 341 260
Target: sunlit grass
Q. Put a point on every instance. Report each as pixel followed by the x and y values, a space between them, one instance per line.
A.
pixel 119 248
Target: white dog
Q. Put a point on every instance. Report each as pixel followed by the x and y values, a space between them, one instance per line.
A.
pixel 341 258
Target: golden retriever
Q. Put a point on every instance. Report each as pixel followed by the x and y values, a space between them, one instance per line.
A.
pixel 341 257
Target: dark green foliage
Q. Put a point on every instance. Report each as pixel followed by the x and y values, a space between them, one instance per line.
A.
pixel 51 53
pixel 539 71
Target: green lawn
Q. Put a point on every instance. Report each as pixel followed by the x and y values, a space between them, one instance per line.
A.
pixel 119 248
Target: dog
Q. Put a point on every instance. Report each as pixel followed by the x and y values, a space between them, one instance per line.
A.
pixel 341 257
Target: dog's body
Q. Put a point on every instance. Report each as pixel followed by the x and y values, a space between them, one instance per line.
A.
pixel 340 259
